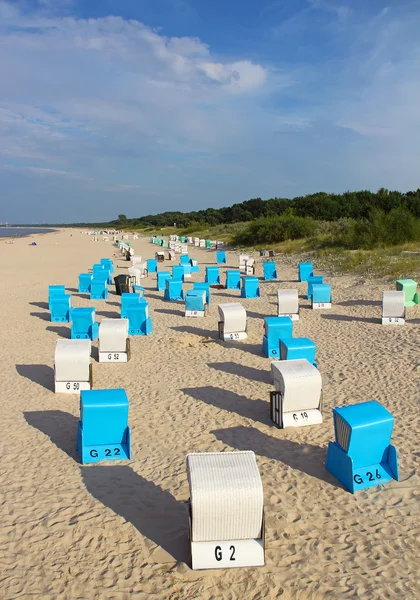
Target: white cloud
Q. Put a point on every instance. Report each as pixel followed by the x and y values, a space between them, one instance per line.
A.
pixel 120 107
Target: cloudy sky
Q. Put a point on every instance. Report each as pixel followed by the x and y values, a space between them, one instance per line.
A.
pixel 141 106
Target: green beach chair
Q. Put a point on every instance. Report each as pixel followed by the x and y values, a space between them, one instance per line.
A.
pixel 409 287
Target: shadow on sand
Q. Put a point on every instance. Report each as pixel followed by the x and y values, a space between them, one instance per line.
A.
pixel 41 374
pixel 59 426
pixel 306 458
pixel 257 410
pixel 154 512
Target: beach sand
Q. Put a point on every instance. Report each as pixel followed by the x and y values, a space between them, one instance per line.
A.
pixel 119 530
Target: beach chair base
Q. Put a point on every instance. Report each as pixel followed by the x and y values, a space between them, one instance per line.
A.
pixel 71 387
pixel 298 418
pixel 320 305
pixel 340 464
pixel 393 321
pixel 271 351
pixel 228 554
pixel 229 337
pixel 100 452
pixel 112 357
pixel 194 313
pixel 294 316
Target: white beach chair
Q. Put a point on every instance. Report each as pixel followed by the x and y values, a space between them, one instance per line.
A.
pixel 202 243
pixel 219 245
pixel 393 308
pixel 297 399
pixel 138 271
pixel 114 343
pixel 243 258
pixel 136 258
pixel 226 510
pixel 72 368
pixel 250 266
pixel 232 324
pixel 196 242
pixel 288 304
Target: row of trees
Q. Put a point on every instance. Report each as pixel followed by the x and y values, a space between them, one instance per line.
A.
pixel 320 207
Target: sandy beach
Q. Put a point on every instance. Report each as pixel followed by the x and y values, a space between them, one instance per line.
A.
pixel 120 530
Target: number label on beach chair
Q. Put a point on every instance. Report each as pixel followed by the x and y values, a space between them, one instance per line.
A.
pixel 228 554
pixel 393 321
pixel 318 305
pixel 121 357
pixel 194 313
pixel 71 387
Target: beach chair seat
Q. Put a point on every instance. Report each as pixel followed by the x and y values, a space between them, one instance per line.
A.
pixel 195 303
pixel 55 290
pixel 161 279
pixel 108 264
pixel 85 280
pixel 233 280
pixel 250 287
pixel 60 307
pixel 305 270
pixel 232 324
pixel 98 270
pixel 321 296
pixel 173 291
pixel 83 324
pixel 299 347
pixel 313 279
pixel 129 299
pixel 98 289
pixel 202 285
pixel 138 289
pixel 297 398
pixel 226 510
pixel 114 344
pixel 178 272
pixel 270 271
pixel 213 275
pixel 103 432
pixel 194 266
pixel 362 455
pixel 409 287
pixel 72 368
pixel 122 284
pixel 393 308
pixel 139 321
pixel 151 266
pixel 275 329
pixel 288 304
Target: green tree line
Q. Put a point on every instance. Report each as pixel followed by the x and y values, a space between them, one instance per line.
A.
pixel 322 206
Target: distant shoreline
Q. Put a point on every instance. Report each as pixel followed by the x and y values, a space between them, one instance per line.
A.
pixel 21 232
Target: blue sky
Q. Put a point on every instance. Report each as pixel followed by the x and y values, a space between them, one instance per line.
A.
pixel 142 106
